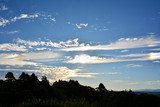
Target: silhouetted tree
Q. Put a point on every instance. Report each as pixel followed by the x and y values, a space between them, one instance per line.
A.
pixel 29 88
pixel 24 76
pixel 9 76
pixel 101 87
pixel 44 81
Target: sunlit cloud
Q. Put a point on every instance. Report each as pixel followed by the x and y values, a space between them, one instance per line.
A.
pixel 122 44
pixel 154 56
pixel 14 59
pixel 87 59
pixel 27 58
pixel 63 73
pixel 52 73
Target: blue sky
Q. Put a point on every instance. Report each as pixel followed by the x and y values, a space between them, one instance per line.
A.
pixel 92 41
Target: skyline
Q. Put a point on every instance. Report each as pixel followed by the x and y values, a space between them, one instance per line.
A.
pixel 116 43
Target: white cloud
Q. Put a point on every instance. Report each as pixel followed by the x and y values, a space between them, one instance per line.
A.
pixel 24 16
pixel 47 18
pixel 31 58
pixel 13 59
pixel 154 56
pixel 49 43
pixel 87 59
pixel 9 32
pixel 3 7
pixel 63 73
pixel 40 55
pixel 122 43
pixel 125 50
pixel 156 61
pixel 133 65
pixel 12 47
pixel 81 25
pixel 3 22
pixel 52 73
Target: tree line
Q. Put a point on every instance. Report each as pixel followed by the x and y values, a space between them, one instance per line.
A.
pixel 28 90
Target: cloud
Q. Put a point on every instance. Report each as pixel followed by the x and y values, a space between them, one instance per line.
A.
pixel 125 50
pixel 45 56
pixel 87 59
pixel 154 56
pixel 122 43
pixel 52 73
pixel 3 22
pixel 13 59
pixel 3 7
pixel 24 16
pixel 31 58
pixel 156 61
pixel 81 25
pixel 10 32
pixel 63 73
pixel 49 43
pixel 12 47
pixel 133 66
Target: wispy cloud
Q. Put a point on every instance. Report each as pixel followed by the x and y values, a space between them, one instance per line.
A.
pixel 31 58
pixel 81 25
pixel 133 65
pixel 3 7
pixel 122 43
pixel 10 32
pixel 87 59
pixel 25 16
pixel 125 50
pixel 21 45
pixel 14 59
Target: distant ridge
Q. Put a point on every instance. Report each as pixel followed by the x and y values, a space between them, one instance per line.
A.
pixel 148 91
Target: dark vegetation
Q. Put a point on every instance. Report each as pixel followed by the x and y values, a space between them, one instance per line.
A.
pixel 28 91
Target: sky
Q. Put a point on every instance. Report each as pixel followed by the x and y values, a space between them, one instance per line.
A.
pixel 114 42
